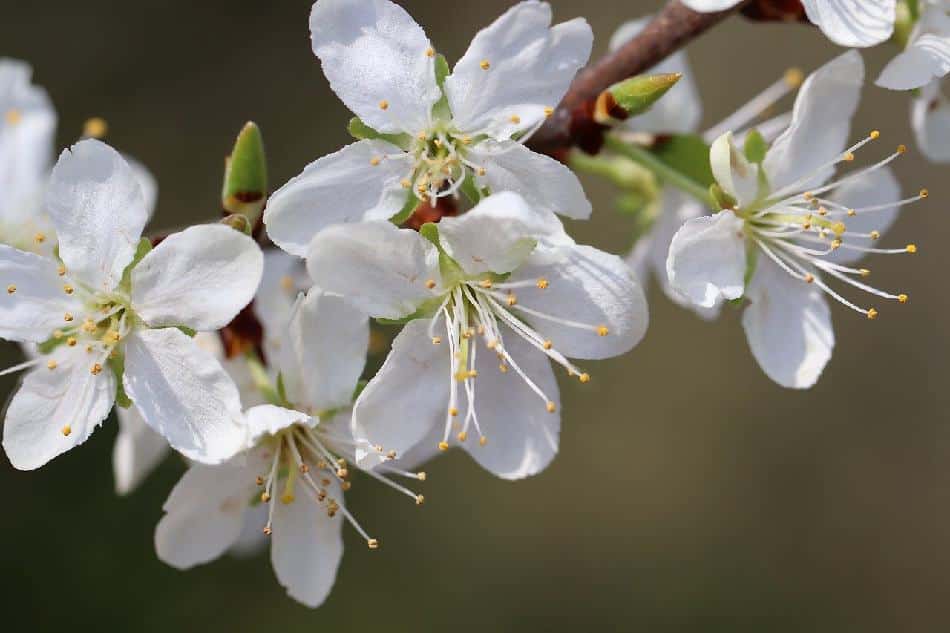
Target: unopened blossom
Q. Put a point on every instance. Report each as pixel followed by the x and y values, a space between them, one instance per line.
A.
pixel 291 481
pixel 844 22
pixel 498 294
pixel 109 316
pixel 794 228
pixel 923 65
pixel 431 135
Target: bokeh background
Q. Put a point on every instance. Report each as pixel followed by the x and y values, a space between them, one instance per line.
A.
pixel 690 494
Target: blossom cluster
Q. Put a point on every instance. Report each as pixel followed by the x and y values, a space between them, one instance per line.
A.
pixel 492 294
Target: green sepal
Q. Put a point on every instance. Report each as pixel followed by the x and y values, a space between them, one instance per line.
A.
pixel 117 364
pixel 360 386
pixel 441 110
pixel 751 261
pixel 362 132
pixel 470 189
pixel 412 203
pixel 143 248
pixel 689 155
pixel 281 388
pixel 187 331
pixel 442 70
pixel 755 147
pixel 245 175
pixel 451 272
pixel 722 199
pixel 50 344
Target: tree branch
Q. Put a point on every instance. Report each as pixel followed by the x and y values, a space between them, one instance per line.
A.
pixel 572 124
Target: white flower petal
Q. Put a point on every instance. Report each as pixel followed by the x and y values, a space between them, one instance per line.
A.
pixel 377 60
pixel 184 394
pixel 201 278
pixel 587 286
pixel 499 234
pixel 930 118
pixel 283 279
pixel 49 400
pixel 877 188
pixel 707 259
pixel 529 68
pixel 407 397
pixel 324 352
pixel 788 326
pixel 381 269
pixel 306 547
pixel 737 176
pixel 336 189
pixel 926 58
pixel 37 304
pixel 853 22
pixel 204 513
pixel 137 451
pixel 98 208
pixel 708 6
pixel 146 181
pixel 680 110
pixel 821 123
pixel 267 419
pixel 522 435
pixel 27 131
pixel 544 182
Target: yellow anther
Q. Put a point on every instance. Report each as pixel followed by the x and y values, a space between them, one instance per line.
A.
pixel 437 142
pixel 875 235
pixel 391 454
pixel 89 349
pixel 462 436
pixel 11 289
pixel 548 345
pixel 503 368
pixel 430 52
pixel 430 284
pixel 96 127
pixel 304 468
pixel 515 119
pixel 603 331
pixel 481 330
pixel 512 299
pixel 443 446
pixel 482 441
pixel 806 225
pixel 345 485
pixel 849 156
pixel 375 161
pixel 342 473
pixel 383 105
pixel 852 213
pixel 58 334
pixel 267 530
pixel 472 373
pixel 875 134
pixel 466 140
pixel 585 378
pixel 924 193
pixel 485 283
pixel 287 499
pixel 542 283
pixel 794 77
pixel 420 500
pixel 405 183
pixel 839 228
pixel 423 135
pixel 68 289
pixel 822 211
pixel 453 411
pixel 548 111
pixel 96 369
pixel 835 244
pixel 259 480
pixel 912 248
pixel 485 64
pixel 809 278
pixel 551 407
pixel 68 317
pixel 872 314
pixel 113 336
pixel 864 272
pixel 61 270
pixel 436 340
pixel 12 117
pixel 808 196
pixel 265 497
pixel 902 298
pixel 66 430
pixel 492 344
pixel 372 543
pixel 482 171
pixel 51 364
pixel 901 149
pixel 39 238
pixel 71 341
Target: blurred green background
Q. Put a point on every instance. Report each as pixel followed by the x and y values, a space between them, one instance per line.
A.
pixel 690 494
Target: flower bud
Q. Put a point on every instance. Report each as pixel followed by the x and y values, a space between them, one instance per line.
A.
pixel 632 97
pixel 245 176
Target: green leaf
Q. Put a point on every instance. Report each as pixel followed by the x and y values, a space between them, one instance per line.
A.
pixel 755 147
pixel 688 154
pixel 362 132
pixel 245 175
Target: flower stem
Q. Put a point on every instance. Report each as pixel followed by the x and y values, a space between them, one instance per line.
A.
pixel 663 171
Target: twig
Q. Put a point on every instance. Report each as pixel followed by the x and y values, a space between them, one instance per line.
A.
pixel 572 123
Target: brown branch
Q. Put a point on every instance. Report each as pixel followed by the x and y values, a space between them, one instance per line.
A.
pixel 572 123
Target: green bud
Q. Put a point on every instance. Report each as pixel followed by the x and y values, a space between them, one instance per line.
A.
pixel 238 222
pixel 632 97
pixel 245 175
pixel 722 199
pixel 755 147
